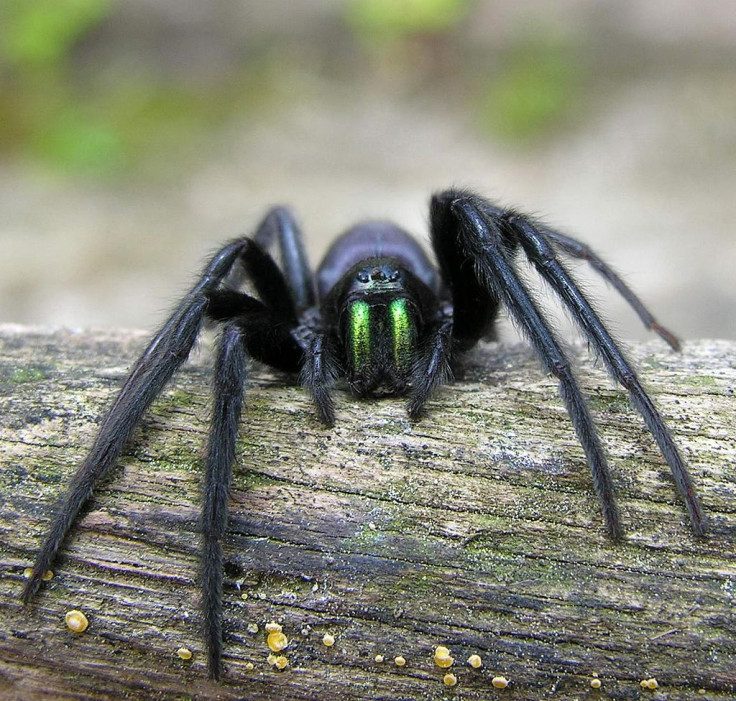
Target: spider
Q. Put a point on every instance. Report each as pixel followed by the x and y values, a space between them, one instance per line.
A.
pixel 380 315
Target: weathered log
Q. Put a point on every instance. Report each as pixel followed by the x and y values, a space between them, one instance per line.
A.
pixel 475 528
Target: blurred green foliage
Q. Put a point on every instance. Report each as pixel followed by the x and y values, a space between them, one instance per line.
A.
pixel 40 109
pixel 39 35
pixel 62 111
pixel 381 20
pixel 537 88
pixel 64 106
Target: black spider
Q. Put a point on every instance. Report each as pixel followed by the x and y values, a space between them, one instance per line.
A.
pixel 379 314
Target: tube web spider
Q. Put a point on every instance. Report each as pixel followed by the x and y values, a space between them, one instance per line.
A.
pixel 380 315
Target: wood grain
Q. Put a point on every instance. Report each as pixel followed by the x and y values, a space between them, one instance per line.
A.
pixel 474 528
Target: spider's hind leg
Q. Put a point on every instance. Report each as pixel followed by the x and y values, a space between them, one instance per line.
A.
pixel 279 225
pixel 475 257
pixel 539 251
pixel 153 369
pixel 577 249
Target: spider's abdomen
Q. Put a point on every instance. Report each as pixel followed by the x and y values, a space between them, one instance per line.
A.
pixel 373 239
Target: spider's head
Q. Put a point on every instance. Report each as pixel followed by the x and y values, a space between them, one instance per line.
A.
pixel 380 322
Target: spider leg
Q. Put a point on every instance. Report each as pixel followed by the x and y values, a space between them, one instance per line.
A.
pixel 576 249
pixel 320 366
pixel 163 356
pixel 580 250
pixel 432 367
pixel 542 256
pixel 280 224
pixel 319 372
pixel 481 240
pixel 251 328
pixel 270 335
pixel 229 385
pixel 268 279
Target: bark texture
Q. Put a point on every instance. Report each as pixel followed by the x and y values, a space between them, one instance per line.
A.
pixel 475 528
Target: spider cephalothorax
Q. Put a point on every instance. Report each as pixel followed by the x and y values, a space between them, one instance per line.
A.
pixel 379 314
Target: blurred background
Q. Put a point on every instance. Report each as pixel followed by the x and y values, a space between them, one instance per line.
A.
pixel 136 135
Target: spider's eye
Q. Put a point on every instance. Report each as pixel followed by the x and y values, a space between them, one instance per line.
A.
pixel 359 333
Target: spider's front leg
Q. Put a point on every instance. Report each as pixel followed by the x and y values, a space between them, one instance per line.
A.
pixel 476 264
pixel 164 355
pixel 470 228
pixel 261 328
pixel 230 375
pixel 541 254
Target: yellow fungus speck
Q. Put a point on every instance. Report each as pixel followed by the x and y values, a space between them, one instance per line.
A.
pixel 650 684
pixel 500 682
pixel 379 658
pixel 595 683
pixel 277 641
pixel 442 657
pixel 273 627
pixel 328 640
pixel 399 660
pixel 249 666
pixel 278 661
pixel 449 679
pixel 252 628
pixel 185 653
pixel 475 662
pixel 47 575
pixel 76 621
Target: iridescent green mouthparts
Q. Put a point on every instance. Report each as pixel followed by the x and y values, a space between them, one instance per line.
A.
pixel 402 331
pixel 361 331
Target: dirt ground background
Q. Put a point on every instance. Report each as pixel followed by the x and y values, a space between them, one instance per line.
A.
pixel 163 128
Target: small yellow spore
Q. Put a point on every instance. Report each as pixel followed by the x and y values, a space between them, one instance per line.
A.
pixel 277 641
pixel 252 627
pixel 185 653
pixel 47 575
pixel 442 657
pixel 273 627
pixel 475 662
pixel 76 621
pixel 328 640
pixel 500 682
pixel 278 661
pixel 399 660
pixel 650 684
pixel 379 658
pixel 450 679
pixel 249 666
pixel 595 683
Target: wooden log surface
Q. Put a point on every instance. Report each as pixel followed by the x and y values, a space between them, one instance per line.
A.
pixel 475 528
